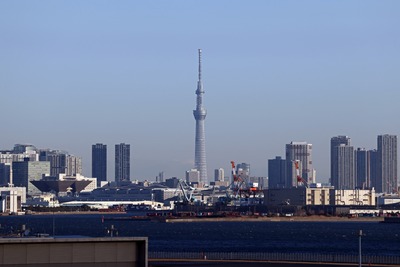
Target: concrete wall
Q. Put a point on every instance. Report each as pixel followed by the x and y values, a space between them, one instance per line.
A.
pixel 353 197
pixel 75 252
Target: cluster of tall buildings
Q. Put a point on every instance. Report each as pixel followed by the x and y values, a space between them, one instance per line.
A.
pixel 122 162
pixel 361 168
pixel 25 163
pixel 350 168
pixel 284 173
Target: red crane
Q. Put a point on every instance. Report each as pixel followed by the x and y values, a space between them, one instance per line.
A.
pixel 300 179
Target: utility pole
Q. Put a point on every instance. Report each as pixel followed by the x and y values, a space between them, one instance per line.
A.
pixel 359 249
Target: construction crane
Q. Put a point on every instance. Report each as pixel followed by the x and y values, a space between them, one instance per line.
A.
pixel 186 191
pixel 299 179
pixel 237 181
pixel 240 187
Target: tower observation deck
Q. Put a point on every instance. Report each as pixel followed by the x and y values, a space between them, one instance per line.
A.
pixel 200 141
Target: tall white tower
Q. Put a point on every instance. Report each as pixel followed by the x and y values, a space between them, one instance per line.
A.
pixel 200 142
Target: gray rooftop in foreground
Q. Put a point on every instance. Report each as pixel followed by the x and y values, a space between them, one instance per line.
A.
pixel 70 240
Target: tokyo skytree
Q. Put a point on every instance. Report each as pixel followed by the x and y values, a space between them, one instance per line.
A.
pixel 200 142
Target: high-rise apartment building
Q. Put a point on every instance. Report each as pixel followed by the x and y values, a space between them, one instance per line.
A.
pixel 160 177
pixel 57 159
pixel 302 152
pixel 73 165
pixel 26 171
pixel 342 163
pixel 122 163
pixel 192 176
pixel 219 175
pixel 99 162
pixel 372 168
pixel 5 171
pixel 243 168
pixel 386 181
pixel 337 141
pixel 277 173
pixel 344 167
pixel 362 173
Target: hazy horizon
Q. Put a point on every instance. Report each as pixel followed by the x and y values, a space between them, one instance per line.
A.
pixel 73 74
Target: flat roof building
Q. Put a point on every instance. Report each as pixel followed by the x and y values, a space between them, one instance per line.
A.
pixel 94 252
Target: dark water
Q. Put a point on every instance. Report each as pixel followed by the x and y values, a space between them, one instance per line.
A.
pixel 324 237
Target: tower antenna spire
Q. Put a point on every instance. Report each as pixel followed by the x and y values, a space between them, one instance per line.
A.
pixel 199 64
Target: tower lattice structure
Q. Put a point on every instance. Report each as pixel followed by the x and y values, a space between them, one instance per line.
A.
pixel 200 143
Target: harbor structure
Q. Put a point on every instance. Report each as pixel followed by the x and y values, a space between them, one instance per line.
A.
pixel 200 113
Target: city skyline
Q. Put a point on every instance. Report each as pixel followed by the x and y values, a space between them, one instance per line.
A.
pixel 350 167
pixel 76 74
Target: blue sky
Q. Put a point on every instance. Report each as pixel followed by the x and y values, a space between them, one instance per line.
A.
pixel 74 73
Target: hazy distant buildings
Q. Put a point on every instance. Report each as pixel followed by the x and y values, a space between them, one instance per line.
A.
pixel 57 159
pixel 19 153
pixel 362 173
pixel 386 181
pixel 364 168
pixel 61 162
pixel 73 165
pixel 200 162
pixel 192 176
pixel 260 182
pixel 243 169
pixel 342 163
pixel 172 182
pixel 372 162
pixel 122 163
pixel 219 175
pixel 277 173
pixel 99 162
pixel 337 141
pixel 301 151
pixel 26 171
pixel 25 149
pixel 160 177
pixel 5 172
